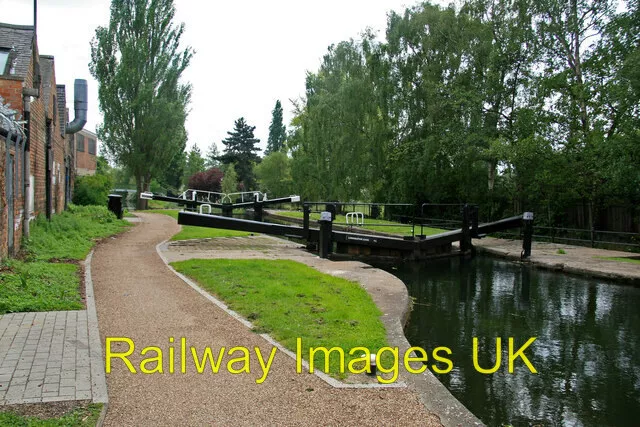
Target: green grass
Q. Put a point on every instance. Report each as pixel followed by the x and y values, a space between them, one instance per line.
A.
pixel 620 259
pixel 370 224
pixel 192 232
pixel 83 416
pixel 561 252
pixel 289 300
pixel 70 235
pixel 46 277
pixel 161 204
pixel 39 286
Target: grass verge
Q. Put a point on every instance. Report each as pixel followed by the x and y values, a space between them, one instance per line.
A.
pixel 621 259
pixel 46 275
pixel 86 415
pixel 289 300
pixel 192 232
pixel 371 224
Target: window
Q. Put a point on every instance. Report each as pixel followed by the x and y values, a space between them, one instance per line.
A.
pixel 4 57
pixel 80 143
pixel 92 146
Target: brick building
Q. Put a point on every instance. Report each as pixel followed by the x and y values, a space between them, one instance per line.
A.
pixel 86 153
pixel 36 154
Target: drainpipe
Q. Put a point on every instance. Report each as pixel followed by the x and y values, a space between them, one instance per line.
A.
pixel 79 106
pixel 27 168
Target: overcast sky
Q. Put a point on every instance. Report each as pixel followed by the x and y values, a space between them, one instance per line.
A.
pixel 248 53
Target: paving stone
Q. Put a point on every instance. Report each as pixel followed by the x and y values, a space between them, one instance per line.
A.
pixel 67 383
pixel 58 398
pixel 36 376
pixel 50 388
pixel 67 374
pixel 18 381
pixel 45 357
pixel 67 391
pixel 83 394
pixel 21 373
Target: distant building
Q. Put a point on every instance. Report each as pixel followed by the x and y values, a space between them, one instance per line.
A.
pixel 86 153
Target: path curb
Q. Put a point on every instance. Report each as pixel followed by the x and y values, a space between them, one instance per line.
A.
pixel 98 378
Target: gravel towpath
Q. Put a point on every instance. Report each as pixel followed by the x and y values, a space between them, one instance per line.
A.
pixel 139 298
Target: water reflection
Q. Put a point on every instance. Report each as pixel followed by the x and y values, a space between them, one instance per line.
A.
pixel 586 353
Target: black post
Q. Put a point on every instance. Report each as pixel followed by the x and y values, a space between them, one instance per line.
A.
pixel 257 210
pixel 474 221
pixel 227 210
pixel 330 207
pixel 465 240
pixel 324 245
pixel 527 222
pixel 306 213
pixel 115 205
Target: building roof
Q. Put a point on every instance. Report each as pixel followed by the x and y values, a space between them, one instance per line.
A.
pixel 19 39
pixel 46 70
pixel 88 133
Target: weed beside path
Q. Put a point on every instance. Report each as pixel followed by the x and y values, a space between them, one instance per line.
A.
pixel 39 416
pixel 45 276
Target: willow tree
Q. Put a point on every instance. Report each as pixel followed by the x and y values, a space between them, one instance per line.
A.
pixel 138 62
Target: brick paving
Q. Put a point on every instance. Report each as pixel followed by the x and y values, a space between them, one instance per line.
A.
pixel 45 357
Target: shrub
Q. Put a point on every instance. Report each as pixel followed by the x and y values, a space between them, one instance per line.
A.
pixel 209 180
pixel 92 190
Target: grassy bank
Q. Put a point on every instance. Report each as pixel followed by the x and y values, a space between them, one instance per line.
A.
pixel 85 415
pixel 621 259
pixel 45 276
pixel 289 300
pixel 370 224
pixel 192 232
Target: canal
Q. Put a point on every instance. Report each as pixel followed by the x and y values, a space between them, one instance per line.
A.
pixel 586 352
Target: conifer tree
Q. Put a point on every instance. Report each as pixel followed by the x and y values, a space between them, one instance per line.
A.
pixel 240 149
pixel 277 131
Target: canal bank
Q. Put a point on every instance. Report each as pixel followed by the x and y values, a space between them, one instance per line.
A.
pixel 589 262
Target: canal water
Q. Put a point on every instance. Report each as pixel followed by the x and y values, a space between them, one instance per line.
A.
pixel 586 352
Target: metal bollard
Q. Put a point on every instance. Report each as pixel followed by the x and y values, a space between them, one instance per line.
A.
pixel 257 211
pixel 115 204
pixel 306 209
pixel 227 210
pixel 325 234
pixel 465 240
pixel 527 222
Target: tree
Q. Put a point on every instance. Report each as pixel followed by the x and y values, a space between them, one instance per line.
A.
pixel 240 149
pixel 171 178
pixel 209 180
pixel 195 164
pixel 230 180
pixel 277 131
pixel 92 189
pixel 274 175
pixel 138 63
pixel 212 159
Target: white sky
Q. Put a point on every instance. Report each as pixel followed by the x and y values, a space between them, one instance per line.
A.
pixel 249 53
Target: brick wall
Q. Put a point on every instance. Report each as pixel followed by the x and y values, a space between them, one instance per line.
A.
pixel 11 91
pixel 86 163
pixel 58 143
pixel 18 196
